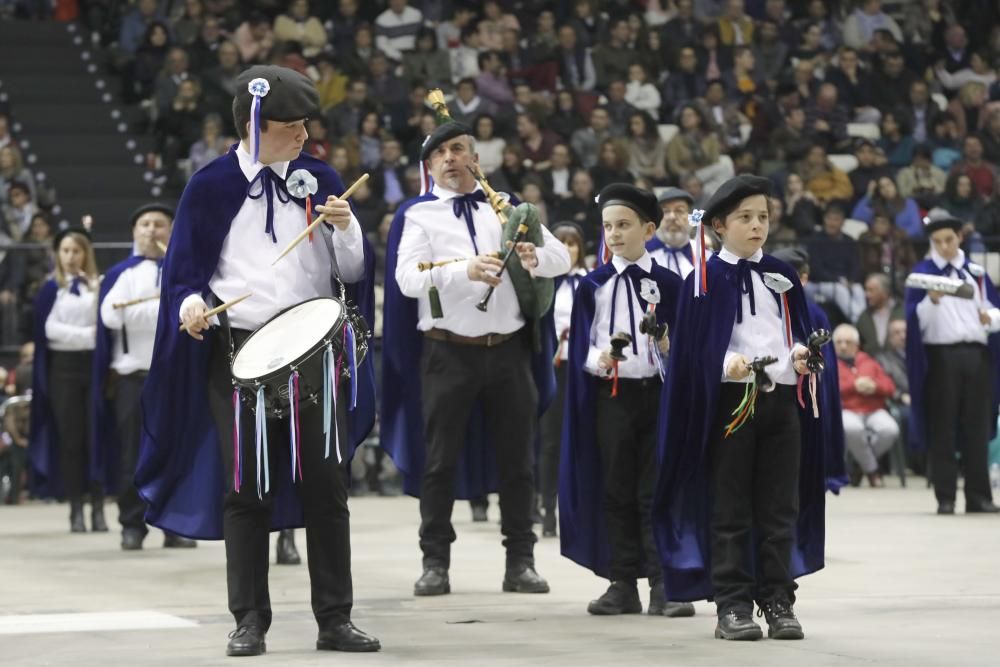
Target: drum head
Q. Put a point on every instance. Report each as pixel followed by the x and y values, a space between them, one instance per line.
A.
pixel 287 338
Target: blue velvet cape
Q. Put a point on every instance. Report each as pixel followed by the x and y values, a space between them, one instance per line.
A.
pixel 180 473
pixel 916 354
pixel 582 531
pixel 682 506
pixel 401 422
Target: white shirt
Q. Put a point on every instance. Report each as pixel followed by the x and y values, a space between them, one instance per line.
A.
pixel 635 366
pixel 665 258
pixel 560 181
pixel 433 233
pixel 245 262
pixel 72 324
pixel 759 335
pixel 956 320
pixel 396 33
pixel 139 320
pixel 562 309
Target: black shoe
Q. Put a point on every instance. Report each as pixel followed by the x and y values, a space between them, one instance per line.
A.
pixel 622 597
pixel 980 507
pixel 285 546
pixel 434 581
pixel 246 640
pixel 346 637
pixel 524 580
pixel 946 507
pixel 172 541
pixel 549 524
pixel 479 514
pixel 658 605
pixel 132 539
pixel 76 524
pixel 737 625
pixel 97 522
pixel 781 621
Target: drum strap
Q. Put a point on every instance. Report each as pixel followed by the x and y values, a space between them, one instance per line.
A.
pixel 327 235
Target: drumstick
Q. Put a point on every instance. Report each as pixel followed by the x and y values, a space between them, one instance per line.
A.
pixel 315 223
pixel 133 302
pixel 219 309
pixel 162 246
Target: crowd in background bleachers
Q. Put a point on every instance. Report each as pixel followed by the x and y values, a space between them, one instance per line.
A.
pixel 864 114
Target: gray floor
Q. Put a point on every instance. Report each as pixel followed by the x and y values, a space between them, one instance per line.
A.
pixel 902 587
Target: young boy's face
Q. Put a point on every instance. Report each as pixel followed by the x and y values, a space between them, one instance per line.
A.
pixel 946 242
pixel 744 230
pixel 625 234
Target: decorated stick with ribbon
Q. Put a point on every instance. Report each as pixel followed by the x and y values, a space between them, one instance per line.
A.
pixel 700 277
pixel 315 223
pixel 219 309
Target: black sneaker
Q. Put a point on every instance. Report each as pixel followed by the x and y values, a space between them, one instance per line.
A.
pixel 737 625
pixel 660 606
pixel 781 621
pixel 246 640
pixel 622 597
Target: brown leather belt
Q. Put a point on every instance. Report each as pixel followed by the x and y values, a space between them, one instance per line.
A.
pixel 486 340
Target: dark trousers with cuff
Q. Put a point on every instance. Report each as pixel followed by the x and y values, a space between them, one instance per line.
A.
pixel 551 426
pixel 69 397
pixel 128 415
pixel 958 410
pixel 755 488
pixel 247 519
pixel 454 377
pixel 626 438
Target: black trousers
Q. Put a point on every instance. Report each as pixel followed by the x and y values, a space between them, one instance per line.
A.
pixel 247 519
pixel 69 397
pixel 755 485
pixel 128 415
pixel 626 438
pixel 454 377
pixel 959 408
pixel 551 425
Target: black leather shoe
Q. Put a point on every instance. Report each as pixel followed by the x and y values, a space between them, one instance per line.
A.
pixel 76 524
pixel 946 507
pixel 172 541
pixel 479 514
pixel 285 546
pixel 658 605
pixel 97 522
pixel 781 621
pixel 549 524
pixel 737 625
pixel 622 597
pixel 132 539
pixel 524 580
pixel 980 507
pixel 246 640
pixel 434 581
pixel 346 637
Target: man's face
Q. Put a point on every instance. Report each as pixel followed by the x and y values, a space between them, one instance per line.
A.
pixel 685 8
pixel 567 38
pixel 449 164
pixel 894 65
pixel 378 67
pixel 956 37
pixel 282 141
pixel 616 91
pixel 560 156
pixel 397 5
pixel 845 344
pixel 827 96
pixel 177 61
pixel 525 128
pixel 599 119
pixel 848 60
pixel 919 94
pixel 466 91
pixel 875 293
pixel 973 149
pixel 149 228
pixel 619 31
pixel 687 60
pixel 714 95
pixel 797 118
pixel 583 186
pixel 229 57
pixel 865 155
pixel 391 152
pixel 674 223
pixel 18 197
pixel 210 30
pixel 522 95
pixel 358 92
pixel 348 8
pixel 896 337
pixel 734 9
pixel 833 222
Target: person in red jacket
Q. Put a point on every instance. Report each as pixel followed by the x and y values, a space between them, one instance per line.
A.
pixel 869 429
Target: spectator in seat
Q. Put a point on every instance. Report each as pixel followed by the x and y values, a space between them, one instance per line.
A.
pixel 488 144
pixel 510 176
pixel 297 25
pixel 612 164
pixel 6 139
pixel 389 178
pixel 684 83
pixel 558 180
pixel 12 170
pixel 647 154
pixel 893 360
pixel 770 51
pixel 790 142
pixel 735 27
pixel 640 93
pixel 586 141
pixel 946 143
pixel 318 143
pixel 988 222
pixel 826 182
pixel 714 58
pixel 990 137
pixel 827 119
pixel 369 140
pixel 344 162
pixel 536 142
pixel 885 248
pixel 956 54
pixel 854 85
pixel 695 149
pixel 891 84
pixel 922 181
pixel 566 118
pixel 873 325
pixel 355 56
pixel 580 208
pixel 255 39
pixel 872 165
pixel 869 429
pixel 211 145
pixel 449 33
pixel 396 29
pixel 176 71
pixel 982 173
pixel 613 58
pixel 802 211
pixel 896 142
pixel 919 112
pixel 883 196
pixel 961 198
pixel 18 210
pixel 492 80
pixel 136 23
pixel 860 26
pixel 576 64
pixel 344 118
pixel 428 64
pixel 726 115
pixel 682 31
pixel 468 105
pixel 203 50
pixel 390 90
pixel 833 256
pixel 141 73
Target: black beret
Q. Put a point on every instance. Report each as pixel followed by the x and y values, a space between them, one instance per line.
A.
pixel 939 218
pixel 733 191
pixel 796 256
pixel 670 194
pixel 63 233
pixel 443 133
pixel 292 96
pixel 155 206
pixel 642 202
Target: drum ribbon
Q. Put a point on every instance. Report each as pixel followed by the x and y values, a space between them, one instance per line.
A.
pixel 352 360
pixel 331 371
pixel 237 442
pixel 262 444
pixel 295 432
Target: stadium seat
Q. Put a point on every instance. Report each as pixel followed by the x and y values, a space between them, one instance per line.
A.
pixel 864 131
pixel 844 162
pixel 940 100
pixel 854 228
pixel 667 132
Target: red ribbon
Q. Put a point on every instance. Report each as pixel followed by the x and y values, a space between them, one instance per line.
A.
pixel 309 216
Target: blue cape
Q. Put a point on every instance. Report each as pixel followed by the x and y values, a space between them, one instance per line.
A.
pixel 916 355
pixel 401 422
pixel 582 533
pixel 180 473
pixel 103 425
pixel 682 506
pixel 43 445
pixel 832 425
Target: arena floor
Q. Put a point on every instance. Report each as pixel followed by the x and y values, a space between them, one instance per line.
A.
pixel 902 587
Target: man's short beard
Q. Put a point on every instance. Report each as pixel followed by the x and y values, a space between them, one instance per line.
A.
pixel 674 238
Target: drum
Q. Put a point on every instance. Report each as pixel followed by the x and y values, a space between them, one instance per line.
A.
pixel 309 339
